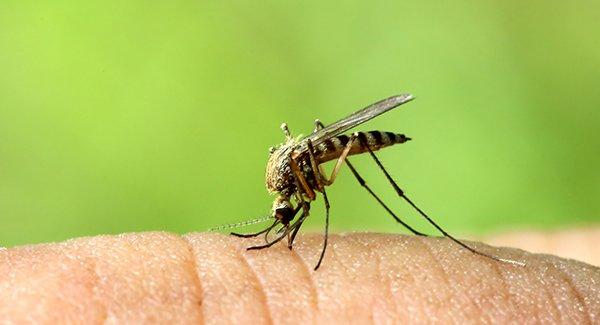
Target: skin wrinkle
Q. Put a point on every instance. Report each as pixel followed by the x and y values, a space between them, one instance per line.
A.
pixel 142 273
pixel 346 269
pixel 340 261
pixel 96 276
pixel 383 278
pixel 558 281
pixel 590 300
pixel 314 297
pixel 230 290
pixel 505 285
pixel 440 268
pixel 497 270
pixel 262 289
pixel 412 279
pixel 196 277
pixel 549 294
pixel 532 281
pixel 371 313
pixel 334 256
pixel 564 279
pixel 569 282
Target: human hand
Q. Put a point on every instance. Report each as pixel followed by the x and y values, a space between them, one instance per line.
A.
pixel 378 278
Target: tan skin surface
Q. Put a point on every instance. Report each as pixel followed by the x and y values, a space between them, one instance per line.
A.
pixel 365 278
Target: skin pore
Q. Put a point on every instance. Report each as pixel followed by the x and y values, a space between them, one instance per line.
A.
pixel 206 277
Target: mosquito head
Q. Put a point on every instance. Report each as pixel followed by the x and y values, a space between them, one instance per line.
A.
pixel 283 209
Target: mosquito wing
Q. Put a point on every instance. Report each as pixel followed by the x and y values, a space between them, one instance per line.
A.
pixel 357 118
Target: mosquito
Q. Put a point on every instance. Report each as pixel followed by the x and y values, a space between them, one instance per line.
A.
pixel 295 174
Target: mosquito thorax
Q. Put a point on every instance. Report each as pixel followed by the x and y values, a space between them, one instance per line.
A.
pixel 279 177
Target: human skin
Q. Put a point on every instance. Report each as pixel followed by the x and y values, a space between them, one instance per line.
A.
pixel 159 277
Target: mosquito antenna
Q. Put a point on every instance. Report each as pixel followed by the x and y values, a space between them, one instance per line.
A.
pixel 241 224
pixel 400 193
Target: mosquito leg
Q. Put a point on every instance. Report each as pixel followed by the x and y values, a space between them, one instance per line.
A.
pixel 280 229
pixel 301 182
pixel 326 234
pixel 284 229
pixel 294 233
pixel 267 233
pixel 319 126
pixel 321 182
pixel 279 238
pixel 305 211
pixel 364 184
pixel 302 188
pixel 321 186
pixel 400 193
pixel 338 163
pixel 296 228
pixel 269 243
pixel 256 233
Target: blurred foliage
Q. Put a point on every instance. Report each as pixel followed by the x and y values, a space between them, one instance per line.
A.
pixel 123 116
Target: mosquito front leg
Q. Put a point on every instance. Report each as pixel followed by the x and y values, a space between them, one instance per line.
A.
pixel 302 184
pixel 302 188
pixel 305 211
pixel 321 185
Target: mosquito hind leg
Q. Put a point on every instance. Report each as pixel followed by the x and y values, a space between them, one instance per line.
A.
pixel 362 183
pixel 401 194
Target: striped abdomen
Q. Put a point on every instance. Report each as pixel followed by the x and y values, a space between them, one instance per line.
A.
pixel 332 148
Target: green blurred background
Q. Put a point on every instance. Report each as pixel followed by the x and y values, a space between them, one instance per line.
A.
pixel 157 115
